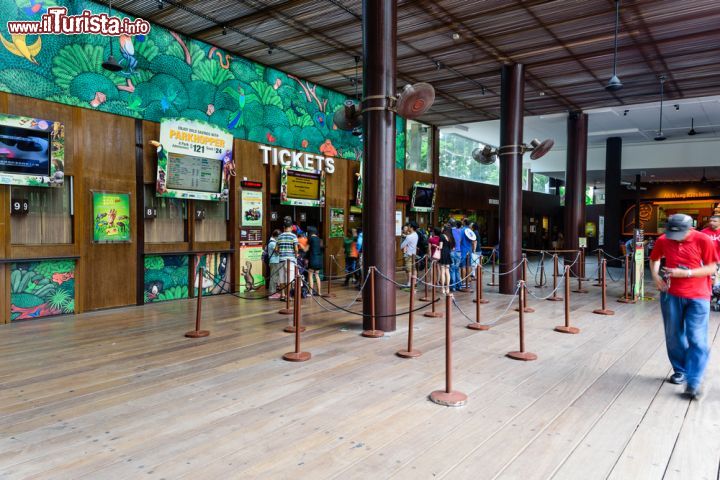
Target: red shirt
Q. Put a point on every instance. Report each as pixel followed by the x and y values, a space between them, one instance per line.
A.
pixel 695 251
pixel 714 236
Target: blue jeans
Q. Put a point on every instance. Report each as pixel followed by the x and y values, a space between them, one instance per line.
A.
pixel 686 335
pixel 455 270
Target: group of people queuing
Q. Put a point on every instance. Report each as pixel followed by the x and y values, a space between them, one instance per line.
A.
pixel 301 249
pixel 449 245
pixel 352 246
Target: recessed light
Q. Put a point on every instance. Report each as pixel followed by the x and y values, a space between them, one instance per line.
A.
pixel 456 36
pixel 542 94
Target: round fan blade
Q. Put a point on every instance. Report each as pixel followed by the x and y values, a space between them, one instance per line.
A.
pixel 415 100
pixel 542 149
pixel 347 117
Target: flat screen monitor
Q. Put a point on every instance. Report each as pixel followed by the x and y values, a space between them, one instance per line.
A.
pixel 24 151
pixel 423 198
pixel 186 172
pixel 303 185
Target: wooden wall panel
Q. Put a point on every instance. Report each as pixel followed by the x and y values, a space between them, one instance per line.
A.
pixel 105 154
pixel 337 195
pixel 249 161
pixel 151 131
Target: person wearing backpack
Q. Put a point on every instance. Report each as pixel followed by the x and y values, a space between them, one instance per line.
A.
pixel 422 248
pixel 409 249
pixel 271 257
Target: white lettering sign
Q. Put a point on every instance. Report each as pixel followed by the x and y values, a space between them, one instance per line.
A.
pixel 300 160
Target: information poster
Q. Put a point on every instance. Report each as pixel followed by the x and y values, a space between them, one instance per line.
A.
pixel 302 187
pixel 337 223
pixel 251 268
pixel 252 208
pixel 398 222
pixel 32 151
pixel 601 231
pixel 639 287
pixel 195 160
pixel 111 217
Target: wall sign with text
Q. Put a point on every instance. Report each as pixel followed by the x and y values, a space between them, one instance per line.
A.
pixel 302 187
pixel 111 217
pixel 195 160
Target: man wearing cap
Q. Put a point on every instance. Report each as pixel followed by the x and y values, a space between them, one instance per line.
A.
pixel 690 259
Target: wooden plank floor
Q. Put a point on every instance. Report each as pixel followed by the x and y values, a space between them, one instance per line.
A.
pixel 123 394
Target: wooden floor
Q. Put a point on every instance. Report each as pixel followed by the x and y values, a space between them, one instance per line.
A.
pixel 123 394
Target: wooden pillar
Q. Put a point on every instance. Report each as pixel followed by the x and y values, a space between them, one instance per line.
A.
pixel 613 170
pixel 379 75
pixel 575 179
pixel 512 98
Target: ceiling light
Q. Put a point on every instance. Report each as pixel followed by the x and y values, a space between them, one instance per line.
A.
pixel 224 30
pixel 615 84
pixel 160 4
pixel 610 133
pixel 541 93
pixel 438 65
pixel 456 36
pixel 625 112
pixel 677 107
pixel 270 49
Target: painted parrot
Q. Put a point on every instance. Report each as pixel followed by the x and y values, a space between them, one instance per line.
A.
pixel 238 95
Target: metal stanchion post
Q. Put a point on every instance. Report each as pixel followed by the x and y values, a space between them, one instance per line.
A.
pixel 448 397
pixel 478 287
pixel 432 313
pixel 329 279
pixel 567 328
pixel 197 333
pixel 542 271
pixel 522 354
pixel 425 297
pixel 598 283
pixel 297 355
pixel 604 310
pixel 373 332
pixel 626 298
pixel 493 283
pixel 524 276
pixel 555 297
pixel 476 325
pixel 410 353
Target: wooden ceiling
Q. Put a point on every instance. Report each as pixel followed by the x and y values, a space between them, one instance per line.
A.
pixel 566 45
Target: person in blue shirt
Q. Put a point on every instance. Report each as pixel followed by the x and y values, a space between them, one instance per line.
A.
pixel 468 243
pixel 456 228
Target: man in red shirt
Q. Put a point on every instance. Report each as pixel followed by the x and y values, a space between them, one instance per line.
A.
pixel 713 231
pixel 690 259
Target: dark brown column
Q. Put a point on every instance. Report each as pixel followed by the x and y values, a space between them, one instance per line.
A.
pixel 512 98
pixel 613 170
pixel 379 51
pixel 575 179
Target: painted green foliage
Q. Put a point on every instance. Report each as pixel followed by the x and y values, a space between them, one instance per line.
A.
pixel 166 278
pixel 41 289
pixel 216 279
pixel 400 124
pixel 166 75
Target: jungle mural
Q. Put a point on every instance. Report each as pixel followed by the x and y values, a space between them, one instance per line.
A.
pixel 167 75
pixel 217 274
pixel 42 289
pixel 166 278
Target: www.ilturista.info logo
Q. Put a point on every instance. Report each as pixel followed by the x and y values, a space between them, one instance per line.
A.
pixel 57 21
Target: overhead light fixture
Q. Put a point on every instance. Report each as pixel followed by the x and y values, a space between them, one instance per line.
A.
pixel 660 135
pixel 677 107
pixel 438 65
pixel 111 65
pixel 270 49
pixel 610 133
pixel 704 178
pixel 625 112
pixel 456 36
pixel 224 30
pixel 615 84
pixel 160 4
pixel 692 131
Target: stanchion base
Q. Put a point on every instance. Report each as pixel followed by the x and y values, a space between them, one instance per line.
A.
pixel 328 295
pixel 526 309
pixel 408 354
pixel 448 399
pixel 580 290
pixel 524 356
pixel 597 284
pixel 564 329
pixel 626 300
pixel 424 299
pixel 477 326
pixel 540 286
pixel 554 299
pixel 297 356
pixel 434 314
pixel 482 302
pixel 491 284
pixel 291 329
pixel 286 311
pixel 600 311
pixel 197 333
pixel 372 333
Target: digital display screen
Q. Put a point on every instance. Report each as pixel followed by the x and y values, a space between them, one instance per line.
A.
pixel 303 185
pixel 186 172
pixel 424 197
pixel 24 151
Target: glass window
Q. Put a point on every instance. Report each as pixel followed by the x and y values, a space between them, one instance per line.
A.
pixel 541 183
pixel 213 228
pixel 456 160
pixel 417 155
pixel 169 225
pixel 48 220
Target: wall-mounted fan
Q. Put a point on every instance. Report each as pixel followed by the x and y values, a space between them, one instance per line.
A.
pixel 414 100
pixel 538 149
pixel 486 155
pixel 349 117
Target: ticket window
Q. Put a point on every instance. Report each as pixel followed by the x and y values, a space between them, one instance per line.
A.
pixel 210 221
pixel 47 218
pixel 165 221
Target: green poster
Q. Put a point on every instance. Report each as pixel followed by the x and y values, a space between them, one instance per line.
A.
pixel 639 270
pixel 337 223
pixel 111 217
